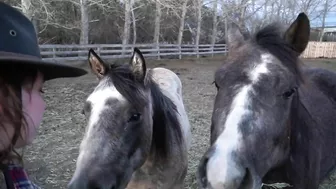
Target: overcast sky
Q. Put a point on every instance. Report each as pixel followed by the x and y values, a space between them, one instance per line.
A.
pixel 330 20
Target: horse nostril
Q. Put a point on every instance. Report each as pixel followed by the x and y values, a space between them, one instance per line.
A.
pixel 247 179
pixel 201 172
pixel 202 168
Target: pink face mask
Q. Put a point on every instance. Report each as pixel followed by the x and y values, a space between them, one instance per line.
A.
pixel 33 107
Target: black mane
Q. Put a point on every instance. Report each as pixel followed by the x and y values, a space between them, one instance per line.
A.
pixel 270 39
pixel 166 126
pixel 123 79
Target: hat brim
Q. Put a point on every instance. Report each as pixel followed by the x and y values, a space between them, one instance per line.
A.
pixel 50 70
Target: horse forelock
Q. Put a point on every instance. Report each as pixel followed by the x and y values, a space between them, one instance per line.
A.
pixel 271 40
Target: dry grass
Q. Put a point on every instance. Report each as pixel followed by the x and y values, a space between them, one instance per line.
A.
pixel 51 159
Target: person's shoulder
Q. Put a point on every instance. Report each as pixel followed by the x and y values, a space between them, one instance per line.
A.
pixel 16 175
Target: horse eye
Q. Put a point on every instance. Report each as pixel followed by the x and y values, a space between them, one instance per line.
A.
pixel 288 94
pixel 135 117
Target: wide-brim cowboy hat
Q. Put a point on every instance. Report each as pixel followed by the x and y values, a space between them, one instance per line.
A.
pixel 19 46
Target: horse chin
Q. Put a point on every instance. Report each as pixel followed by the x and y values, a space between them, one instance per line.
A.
pixel 136 161
pixel 123 180
pixel 123 184
pixel 276 175
pixel 251 181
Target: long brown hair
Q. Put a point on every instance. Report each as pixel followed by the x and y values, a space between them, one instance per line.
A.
pixel 11 81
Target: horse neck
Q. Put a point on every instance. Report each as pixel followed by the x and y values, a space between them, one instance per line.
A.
pixel 305 147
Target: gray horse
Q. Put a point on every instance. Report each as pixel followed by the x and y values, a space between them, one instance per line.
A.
pixel 274 118
pixel 138 132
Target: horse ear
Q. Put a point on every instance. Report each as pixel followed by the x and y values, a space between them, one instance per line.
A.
pixel 235 37
pixel 97 65
pixel 298 33
pixel 138 65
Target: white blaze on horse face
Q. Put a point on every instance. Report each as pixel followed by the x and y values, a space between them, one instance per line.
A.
pixel 222 170
pixel 99 98
pixel 102 93
pixel 90 147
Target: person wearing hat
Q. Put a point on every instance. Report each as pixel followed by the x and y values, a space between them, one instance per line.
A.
pixel 22 74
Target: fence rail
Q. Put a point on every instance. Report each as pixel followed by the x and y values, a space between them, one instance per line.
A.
pixel 320 50
pixel 79 52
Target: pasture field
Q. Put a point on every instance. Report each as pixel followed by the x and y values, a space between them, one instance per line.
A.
pixel 50 161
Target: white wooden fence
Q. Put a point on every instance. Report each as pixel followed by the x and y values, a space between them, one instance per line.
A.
pixel 80 52
pixel 320 50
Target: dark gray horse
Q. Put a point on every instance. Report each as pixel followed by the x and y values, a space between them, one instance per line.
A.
pixel 274 118
pixel 138 132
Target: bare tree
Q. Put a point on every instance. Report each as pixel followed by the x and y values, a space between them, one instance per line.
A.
pixel 309 6
pixel 214 22
pixel 84 37
pixel 324 15
pixel 199 22
pixel 27 8
pixel 127 23
pixel 69 21
pixel 134 22
pixel 182 19
pixel 157 22
pixel 242 10
pixel 30 12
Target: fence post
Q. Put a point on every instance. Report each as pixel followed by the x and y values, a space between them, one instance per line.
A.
pixel 212 50
pixel 197 50
pixel 98 49
pixel 180 53
pixel 158 51
pixel 54 52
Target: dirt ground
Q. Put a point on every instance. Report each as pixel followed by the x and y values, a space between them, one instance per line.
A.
pixel 50 160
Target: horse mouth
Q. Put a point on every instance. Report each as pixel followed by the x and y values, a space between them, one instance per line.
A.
pixel 276 178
